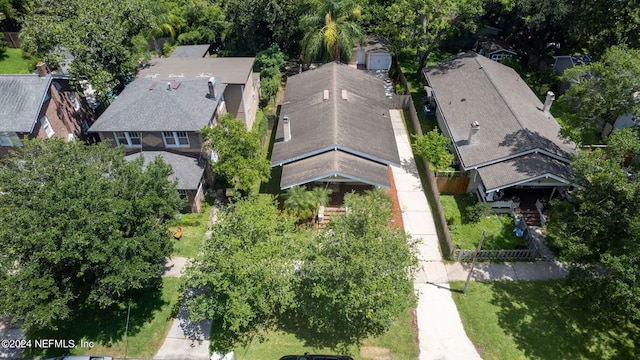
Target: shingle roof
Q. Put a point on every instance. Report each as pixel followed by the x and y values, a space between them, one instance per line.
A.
pixel 521 169
pixel 190 51
pixel 232 70
pixel 21 98
pixel 470 87
pixel 334 164
pixel 186 170
pixel 147 105
pixel 360 125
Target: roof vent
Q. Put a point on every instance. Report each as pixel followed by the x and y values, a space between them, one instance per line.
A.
pixel 169 85
pixel 325 94
pixel 344 94
pixel 547 103
pixel 475 126
pixel 153 85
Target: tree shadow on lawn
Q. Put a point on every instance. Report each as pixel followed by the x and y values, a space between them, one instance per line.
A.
pixel 103 326
pixel 545 323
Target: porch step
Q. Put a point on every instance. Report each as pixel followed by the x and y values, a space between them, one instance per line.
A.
pixel 330 212
pixel 531 217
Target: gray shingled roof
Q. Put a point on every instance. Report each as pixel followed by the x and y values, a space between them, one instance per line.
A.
pixel 21 98
pixel 334 164
pixel 147 105
pixel 186 170
pixel 232 70
pixel 469 87
pixel 360 125
pixel 190 51
pixel 521 169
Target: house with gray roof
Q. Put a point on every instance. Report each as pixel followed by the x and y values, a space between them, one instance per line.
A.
pixel 334 127
pixel 242 94
pixel 188 172
pixel 41 105
pixel 501 133
pixel 191 51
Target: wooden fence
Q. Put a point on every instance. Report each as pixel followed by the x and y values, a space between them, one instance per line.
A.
pixel 452 185
pixel 12 39
pixel 431 190
pixel 498 255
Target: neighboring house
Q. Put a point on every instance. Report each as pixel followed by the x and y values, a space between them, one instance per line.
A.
pixel 163 117
pixel 493 49
pixel 501 133
pixel 190 174
pixel 564 62
pixel 373 54
pixel 191 51
pixel 242 94
pixel 334 127
pixel 41 105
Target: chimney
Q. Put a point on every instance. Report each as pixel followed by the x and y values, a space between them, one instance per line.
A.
pixel 212 88
pixel 287 128
pixel 42 69
pixel 548 101
pixel 475 126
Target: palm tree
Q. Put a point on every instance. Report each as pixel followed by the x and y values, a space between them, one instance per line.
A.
pixel 321 196
pixel 331 30
pixel 300 202
pixel 162 24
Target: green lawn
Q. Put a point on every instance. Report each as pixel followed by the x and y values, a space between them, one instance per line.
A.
pixel 150 318
pixel 12 62
pixel 194 227
pixel 534 320
pixel 397 343
pixel 466 234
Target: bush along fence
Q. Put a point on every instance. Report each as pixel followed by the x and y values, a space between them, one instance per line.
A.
pixel 405 102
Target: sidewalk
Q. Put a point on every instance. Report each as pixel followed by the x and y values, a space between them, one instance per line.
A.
pixel 440 331
pixel 186 340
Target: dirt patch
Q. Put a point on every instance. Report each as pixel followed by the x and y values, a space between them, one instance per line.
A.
pixel 375 353
pixel 414 328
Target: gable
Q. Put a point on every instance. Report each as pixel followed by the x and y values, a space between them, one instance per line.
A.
pixel 21 98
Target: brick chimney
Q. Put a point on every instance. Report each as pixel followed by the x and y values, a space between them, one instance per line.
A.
pixel 42 69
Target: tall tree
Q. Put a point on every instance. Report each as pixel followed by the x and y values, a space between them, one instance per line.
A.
pixel 246 269
pixel 241 161
pixel 331 30
pixel 604 90
pixel 357 275
pixel 598 229
pixel 81 226
pixel 104 36
pixel 256 24
pixel 424 23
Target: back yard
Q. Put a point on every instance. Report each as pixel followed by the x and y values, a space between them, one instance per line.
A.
pixel 12 62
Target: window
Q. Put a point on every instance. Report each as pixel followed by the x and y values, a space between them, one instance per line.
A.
pixel 128 138
pixel 47 126
pixel 9 139
pixel 183 194
pixel 175 139
pixel 74 100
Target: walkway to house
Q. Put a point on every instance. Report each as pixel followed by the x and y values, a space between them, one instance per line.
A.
pixel 185 340
pixel 440 331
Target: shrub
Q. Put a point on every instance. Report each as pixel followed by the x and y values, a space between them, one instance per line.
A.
pixel 477 211
pixel 399 89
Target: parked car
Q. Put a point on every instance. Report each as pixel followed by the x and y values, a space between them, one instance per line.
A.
pixel 308 356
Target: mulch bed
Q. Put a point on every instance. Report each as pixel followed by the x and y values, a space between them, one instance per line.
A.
pixel 397 213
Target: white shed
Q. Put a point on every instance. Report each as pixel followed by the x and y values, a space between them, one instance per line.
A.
pixel 374 54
